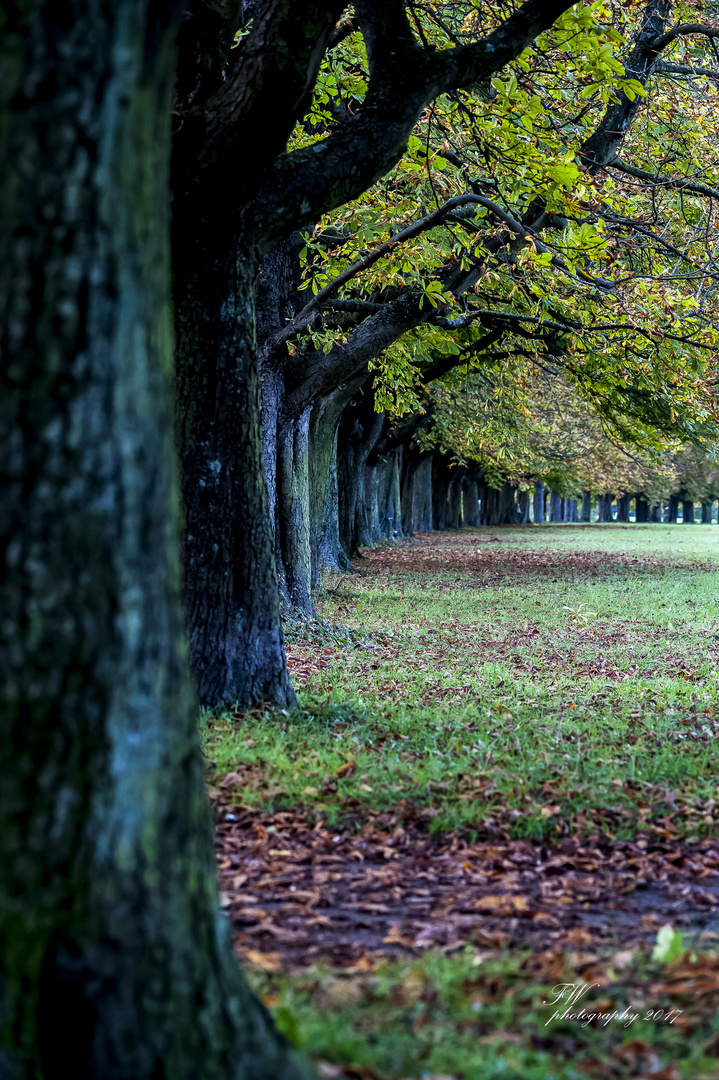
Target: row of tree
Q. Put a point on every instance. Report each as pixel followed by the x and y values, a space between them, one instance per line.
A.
pixel 450 222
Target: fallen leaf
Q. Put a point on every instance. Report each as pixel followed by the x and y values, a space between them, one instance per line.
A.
pixel 267 961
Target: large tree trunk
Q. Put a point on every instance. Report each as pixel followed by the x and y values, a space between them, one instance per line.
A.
pixel 454 503
pixel 688 512
pixel 623 504
pixel 230 583
pixel 672 511
pixel 115 959
pixel 555 507
pixel 441 480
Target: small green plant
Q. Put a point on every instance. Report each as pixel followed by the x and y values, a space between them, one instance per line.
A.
pixel 580 616
pixel 669 945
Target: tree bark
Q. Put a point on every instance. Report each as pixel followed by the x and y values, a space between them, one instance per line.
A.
pixel 586 506
pixel 555 507
pixel 326 549
pixel 115 959
pixel 231 594
pixel 623 508
pixel 359 431
pixel 688 512
pixel 672 511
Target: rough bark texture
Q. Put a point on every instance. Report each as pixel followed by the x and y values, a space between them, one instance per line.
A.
pixel 231 595
pixel 115 960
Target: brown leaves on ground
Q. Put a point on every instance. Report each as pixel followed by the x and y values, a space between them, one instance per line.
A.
pixel 299 892
pixel 493 562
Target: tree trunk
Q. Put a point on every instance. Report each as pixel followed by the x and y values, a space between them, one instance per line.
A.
pixel 441 479
pixel 688 511
pixel 706 513
pixel 604 512
pixel 470 501
pixel 488 505
pixel 231 593
pixel 388 505
pixel 327 552
pixel 115 959
pixel 294 559
pixel 586 506
pixel 417 498
pixel 623 505
pixel 672 510
pixel 555 507
pixel 360 429
pixel 507 514
pixel 538 506
pixel 523 507
pixel 454 504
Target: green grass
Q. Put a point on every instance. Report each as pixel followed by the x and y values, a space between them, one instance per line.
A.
pixel 484 1017
pixel 498 691
pixel 533 682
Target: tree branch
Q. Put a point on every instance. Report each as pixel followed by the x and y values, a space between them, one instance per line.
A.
pixel 683 30
pixel 604 142
pixel 663 68
pixel 307 183
pixel 303 317
pixel 661 181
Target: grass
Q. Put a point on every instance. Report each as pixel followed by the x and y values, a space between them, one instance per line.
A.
pixel 537 681
pixel 529 682
pixel 484 1017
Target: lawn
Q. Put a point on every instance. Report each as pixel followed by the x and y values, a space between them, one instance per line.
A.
pixel 506 736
